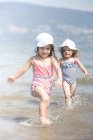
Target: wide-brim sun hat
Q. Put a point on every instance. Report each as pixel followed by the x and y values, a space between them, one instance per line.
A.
pixel 70 44
pixel 44 39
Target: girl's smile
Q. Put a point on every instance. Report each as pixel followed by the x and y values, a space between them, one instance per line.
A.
pixel 67 54
pixel 44 51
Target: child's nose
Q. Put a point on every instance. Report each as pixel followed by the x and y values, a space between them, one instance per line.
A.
pixel 45 50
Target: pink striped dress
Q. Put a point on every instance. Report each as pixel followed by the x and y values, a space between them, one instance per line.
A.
pixel 42 76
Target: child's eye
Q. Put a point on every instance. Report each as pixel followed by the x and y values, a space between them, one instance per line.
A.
pixel 48 48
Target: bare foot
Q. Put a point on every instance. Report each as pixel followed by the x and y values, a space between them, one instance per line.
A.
pixel 69 107
pixel 49 122
pixel 45 121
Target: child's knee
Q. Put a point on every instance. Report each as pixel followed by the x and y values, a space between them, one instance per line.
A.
pixel 46 98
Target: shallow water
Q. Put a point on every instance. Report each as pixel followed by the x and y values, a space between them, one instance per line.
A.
pixel 19 119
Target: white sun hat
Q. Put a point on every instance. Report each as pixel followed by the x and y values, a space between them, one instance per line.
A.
pixel 43 39
pixel 69 43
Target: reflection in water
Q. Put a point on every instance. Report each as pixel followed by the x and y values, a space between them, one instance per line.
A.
pixel 44 133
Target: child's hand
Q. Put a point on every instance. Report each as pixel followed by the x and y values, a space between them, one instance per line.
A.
pixel 10 79
pixel 58 83
pixel 87 74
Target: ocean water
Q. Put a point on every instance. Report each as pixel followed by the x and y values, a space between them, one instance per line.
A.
pixel 19 119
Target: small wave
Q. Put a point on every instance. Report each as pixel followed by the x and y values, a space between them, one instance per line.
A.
pixel 85 80
pixel 33 121
pixel 29 122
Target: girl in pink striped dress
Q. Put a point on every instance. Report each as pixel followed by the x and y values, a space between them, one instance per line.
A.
pixel 43 64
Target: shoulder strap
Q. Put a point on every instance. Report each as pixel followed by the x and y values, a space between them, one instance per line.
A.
pixel 45 66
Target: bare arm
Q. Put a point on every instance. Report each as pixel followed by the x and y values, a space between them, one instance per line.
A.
pixel 20 72
pixel 82 67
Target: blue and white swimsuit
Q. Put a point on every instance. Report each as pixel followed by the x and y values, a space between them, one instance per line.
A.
pixel 69 71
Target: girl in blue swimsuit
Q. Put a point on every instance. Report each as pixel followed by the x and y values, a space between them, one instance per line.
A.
pixel 68 64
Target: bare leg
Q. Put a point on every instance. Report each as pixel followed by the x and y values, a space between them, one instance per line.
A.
pixel 44 102
pixel 67 93
pixel 73 89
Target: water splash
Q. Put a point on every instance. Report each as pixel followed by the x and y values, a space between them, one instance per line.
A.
pixel 33 121
pixel 79 100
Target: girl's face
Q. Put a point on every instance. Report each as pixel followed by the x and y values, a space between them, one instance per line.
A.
pixel 67 52
pixel 45 51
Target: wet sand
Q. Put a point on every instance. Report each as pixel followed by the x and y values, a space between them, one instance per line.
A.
pixel 75 124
